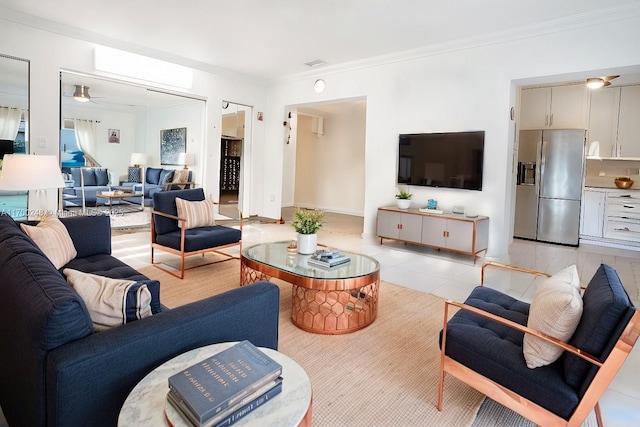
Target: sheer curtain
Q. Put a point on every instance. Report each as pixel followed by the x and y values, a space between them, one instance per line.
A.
pixel 86 137
pixel 9 122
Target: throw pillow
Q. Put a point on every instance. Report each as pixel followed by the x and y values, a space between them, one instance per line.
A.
pixel 135 174
pixel 198 214
pixel 53 239
pixel 555 310
pixel 179 176
pixel 111 302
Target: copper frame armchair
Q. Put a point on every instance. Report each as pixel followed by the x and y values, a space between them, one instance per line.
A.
pixel 168 236
pixel 602 371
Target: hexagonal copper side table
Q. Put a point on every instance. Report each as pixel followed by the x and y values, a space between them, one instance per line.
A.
pixel 338 300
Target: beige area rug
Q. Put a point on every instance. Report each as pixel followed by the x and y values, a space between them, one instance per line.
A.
pixel 383 375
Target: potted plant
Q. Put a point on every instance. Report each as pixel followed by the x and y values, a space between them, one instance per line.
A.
pixel 307 222
pixel 403 199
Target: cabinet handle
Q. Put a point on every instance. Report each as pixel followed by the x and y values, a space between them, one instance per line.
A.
pixel 622 229
pixel 628 207
pixel 546 120
pixel 551 120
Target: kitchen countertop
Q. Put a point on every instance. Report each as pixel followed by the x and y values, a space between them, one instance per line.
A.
pixel 607 183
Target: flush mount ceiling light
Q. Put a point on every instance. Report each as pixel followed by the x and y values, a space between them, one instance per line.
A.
pixel 319 86
pixel 81 94
pixel 598 82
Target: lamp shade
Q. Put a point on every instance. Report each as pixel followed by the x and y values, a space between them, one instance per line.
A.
pixel 138 159
pixel 30 172
pixel 186 159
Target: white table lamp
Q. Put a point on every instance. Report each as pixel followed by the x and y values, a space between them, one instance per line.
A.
pixel 138 159
pixel 186 159
pixel 22 172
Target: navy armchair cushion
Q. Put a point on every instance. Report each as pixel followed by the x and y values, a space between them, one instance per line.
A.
pixel 606 311
pixel 165 201
pixel 200 238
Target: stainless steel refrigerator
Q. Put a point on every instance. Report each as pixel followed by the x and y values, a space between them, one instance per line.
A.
pixel 549 185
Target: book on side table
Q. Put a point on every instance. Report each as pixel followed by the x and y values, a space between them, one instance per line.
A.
pixel 225 386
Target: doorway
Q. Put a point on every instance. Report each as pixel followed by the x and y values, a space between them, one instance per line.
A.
pixel 232 158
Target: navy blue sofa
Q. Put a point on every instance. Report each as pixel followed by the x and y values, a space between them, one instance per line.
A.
pixel 56 371
pixel 156 179
pixel 89 181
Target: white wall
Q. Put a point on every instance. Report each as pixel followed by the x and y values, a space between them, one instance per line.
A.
pixel 49 53
pixel 458 89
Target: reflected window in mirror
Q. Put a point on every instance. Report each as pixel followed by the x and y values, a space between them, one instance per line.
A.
pixel 14 125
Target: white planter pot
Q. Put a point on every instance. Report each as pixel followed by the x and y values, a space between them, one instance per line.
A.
pixel 403 203
pixel 307 243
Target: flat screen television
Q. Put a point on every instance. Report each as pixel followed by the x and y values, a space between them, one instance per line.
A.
pixel 6 147
pixel 446 159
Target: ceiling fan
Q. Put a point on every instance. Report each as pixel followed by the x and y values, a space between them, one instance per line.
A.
pixel 81 94
pixel 598 82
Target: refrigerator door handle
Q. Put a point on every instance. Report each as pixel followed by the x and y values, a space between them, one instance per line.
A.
pixel 542 162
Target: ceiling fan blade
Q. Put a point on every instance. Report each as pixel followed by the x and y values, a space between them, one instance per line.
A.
pixel 607 78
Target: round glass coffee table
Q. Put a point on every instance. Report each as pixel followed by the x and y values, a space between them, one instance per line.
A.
pixel 336 300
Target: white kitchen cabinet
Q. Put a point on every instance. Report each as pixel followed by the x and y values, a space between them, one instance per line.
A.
pixel 451 232
pixel 623 215
pixel 399 226
pixel 614 121
pixel 557 107
pixel 593 213
pixel 603 120
pixel 629 122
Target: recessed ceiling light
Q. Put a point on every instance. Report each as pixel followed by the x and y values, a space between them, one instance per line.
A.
pixel 315 63
pixel 319 86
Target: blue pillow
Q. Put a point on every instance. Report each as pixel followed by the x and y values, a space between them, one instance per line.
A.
pixel 102 176
pixel 152 176
pixel 166 176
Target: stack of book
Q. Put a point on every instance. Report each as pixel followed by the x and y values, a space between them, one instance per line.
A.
pixel 328 258
pixel 223 388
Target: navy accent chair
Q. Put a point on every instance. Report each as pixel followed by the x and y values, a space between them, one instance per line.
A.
pixel 168 236
pixel 481 345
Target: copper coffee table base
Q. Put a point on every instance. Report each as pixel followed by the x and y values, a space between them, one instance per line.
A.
pixel 324 306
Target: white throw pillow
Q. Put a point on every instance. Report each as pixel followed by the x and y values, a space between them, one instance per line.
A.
pixel 555 310
pixel 111 302
pixel 197 214
pixel 53 239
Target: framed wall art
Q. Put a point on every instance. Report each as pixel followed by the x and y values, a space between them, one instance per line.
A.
pixel 172 143
pixel 114 136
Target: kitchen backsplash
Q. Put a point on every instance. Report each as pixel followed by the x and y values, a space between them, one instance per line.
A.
pixel 601 173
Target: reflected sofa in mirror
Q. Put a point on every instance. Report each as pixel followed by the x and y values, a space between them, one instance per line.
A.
pixel 14 125
pixel 115 119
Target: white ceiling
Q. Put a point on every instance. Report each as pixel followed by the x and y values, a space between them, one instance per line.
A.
pixel 273 38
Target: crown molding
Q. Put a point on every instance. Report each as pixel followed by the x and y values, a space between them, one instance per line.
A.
pixel 597 17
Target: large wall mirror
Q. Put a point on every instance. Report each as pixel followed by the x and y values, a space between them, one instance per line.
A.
pixel 14 124
pixel 130 130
